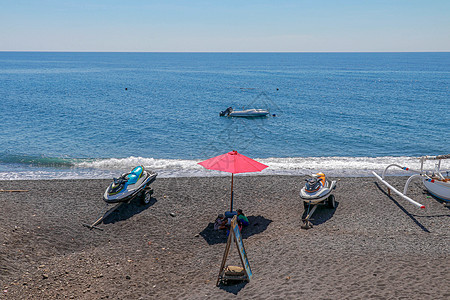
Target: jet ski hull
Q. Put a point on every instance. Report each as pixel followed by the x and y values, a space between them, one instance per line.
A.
pixel 319 195
pixel 142 185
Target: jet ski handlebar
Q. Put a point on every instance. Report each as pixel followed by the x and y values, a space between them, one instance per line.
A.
pixel 121 179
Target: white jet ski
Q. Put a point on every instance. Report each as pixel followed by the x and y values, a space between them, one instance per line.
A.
pixel 317 189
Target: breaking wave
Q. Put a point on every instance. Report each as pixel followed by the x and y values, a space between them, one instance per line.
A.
pixel 19 167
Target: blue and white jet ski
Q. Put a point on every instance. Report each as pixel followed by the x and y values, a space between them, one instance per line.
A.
pixel 131 185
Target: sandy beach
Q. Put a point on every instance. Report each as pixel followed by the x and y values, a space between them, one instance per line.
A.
pixel 371 247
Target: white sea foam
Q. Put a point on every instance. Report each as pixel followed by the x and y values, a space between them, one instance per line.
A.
pixel 132 161
pixel 114 167
pixel 336 166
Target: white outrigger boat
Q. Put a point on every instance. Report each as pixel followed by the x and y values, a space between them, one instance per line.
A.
pixel 248 113
pixel 435 182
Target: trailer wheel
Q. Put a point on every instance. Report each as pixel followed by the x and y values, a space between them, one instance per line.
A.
pixel 331 203
pixel 146 198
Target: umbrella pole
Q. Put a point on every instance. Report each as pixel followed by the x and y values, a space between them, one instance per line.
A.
pixel 231 202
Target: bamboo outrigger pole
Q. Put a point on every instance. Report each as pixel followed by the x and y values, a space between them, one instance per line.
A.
pixel 397 192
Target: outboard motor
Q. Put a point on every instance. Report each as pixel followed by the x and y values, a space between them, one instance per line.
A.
pixel 226 111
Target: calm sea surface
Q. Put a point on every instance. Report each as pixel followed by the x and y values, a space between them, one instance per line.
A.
pixel 96 115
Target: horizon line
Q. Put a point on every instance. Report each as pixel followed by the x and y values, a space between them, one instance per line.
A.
pixel 100 51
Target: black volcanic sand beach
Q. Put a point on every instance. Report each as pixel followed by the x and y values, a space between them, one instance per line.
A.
pixel 371 246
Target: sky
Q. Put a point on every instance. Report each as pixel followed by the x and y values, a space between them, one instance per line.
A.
pixel 225 26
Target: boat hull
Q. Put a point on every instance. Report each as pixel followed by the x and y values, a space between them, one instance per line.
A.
pixel 249 113
pixel 438 188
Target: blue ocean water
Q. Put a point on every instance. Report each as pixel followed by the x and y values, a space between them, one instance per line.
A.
pixel 96 115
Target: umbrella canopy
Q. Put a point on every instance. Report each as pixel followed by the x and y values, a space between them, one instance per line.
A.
pixel 233 162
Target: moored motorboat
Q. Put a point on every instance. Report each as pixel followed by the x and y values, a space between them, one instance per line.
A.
pixel 248 113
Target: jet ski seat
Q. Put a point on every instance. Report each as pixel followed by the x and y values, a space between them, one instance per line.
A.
pixel 134 175
pixel 321 178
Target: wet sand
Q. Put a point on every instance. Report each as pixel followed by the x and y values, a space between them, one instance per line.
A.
pixel 371 246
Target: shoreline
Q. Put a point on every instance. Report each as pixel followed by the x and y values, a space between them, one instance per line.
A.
pixel 372 245
pixel 43 168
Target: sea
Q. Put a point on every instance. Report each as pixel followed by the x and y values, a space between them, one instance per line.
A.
pixel 97 115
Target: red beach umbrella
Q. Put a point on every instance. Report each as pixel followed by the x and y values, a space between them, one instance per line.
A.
pixel 233 162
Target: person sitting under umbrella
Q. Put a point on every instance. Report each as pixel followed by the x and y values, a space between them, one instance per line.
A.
pixel 221 222
pixel 242 219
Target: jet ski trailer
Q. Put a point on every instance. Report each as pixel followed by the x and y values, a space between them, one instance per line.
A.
pixel 124 189
pixel 435 182
pixel 317 191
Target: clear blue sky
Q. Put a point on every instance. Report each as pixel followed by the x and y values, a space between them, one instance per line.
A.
pixel 223 26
